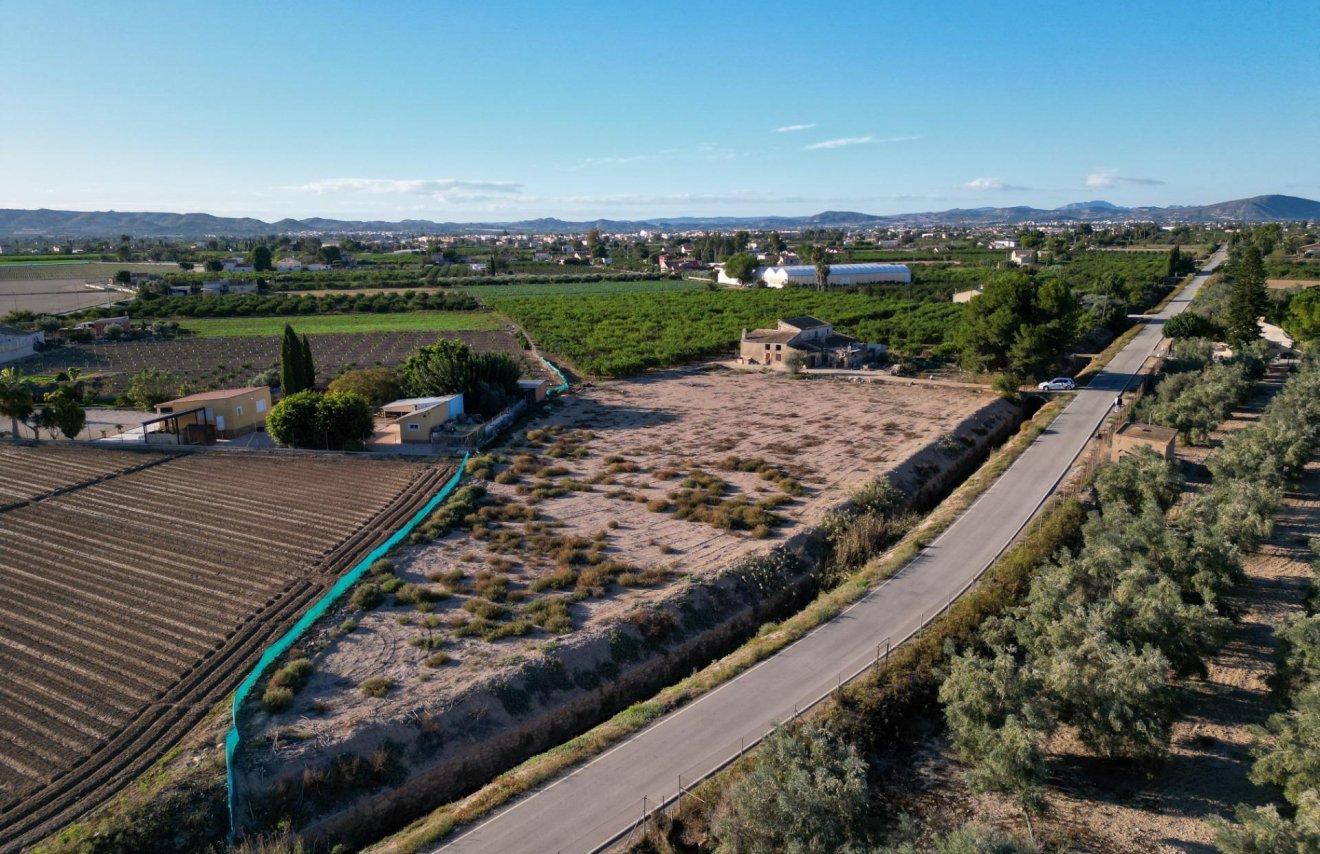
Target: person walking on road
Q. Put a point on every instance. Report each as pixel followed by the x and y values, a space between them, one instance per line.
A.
pixel 1118 403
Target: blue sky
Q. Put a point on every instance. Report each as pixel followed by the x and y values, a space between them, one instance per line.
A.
pixel 505 110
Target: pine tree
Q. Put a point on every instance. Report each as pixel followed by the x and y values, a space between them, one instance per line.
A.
pixel 1247 300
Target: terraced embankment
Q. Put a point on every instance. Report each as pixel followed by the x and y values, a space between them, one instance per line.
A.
pixel 138 589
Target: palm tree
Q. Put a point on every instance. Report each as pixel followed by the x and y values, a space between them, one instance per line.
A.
pixel 822 270
pixel 16 399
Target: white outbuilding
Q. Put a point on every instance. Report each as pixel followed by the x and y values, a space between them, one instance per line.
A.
pixel 804 275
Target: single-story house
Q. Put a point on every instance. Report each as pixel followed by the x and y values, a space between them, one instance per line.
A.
pixel 180 290
pixel 229 286
pixel 98 326
pixel 1004 243
pixel 289 265
pixel 415 417
pixel 1022 257
pixel 196 418
pixel 1133 436
pixel 18 343
pixel 816 340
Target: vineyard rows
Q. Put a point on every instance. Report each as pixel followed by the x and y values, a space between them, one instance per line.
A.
pixel 224 362
pixel 119 592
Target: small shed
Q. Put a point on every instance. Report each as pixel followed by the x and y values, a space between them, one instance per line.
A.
pixel 534 391
pixel 415 417
pixel 1133 436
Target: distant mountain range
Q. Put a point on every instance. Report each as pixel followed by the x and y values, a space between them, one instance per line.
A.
pixel 59 224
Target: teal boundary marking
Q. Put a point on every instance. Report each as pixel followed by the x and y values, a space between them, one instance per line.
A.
pixel 563 383
pixel 322 605
pixel 318 610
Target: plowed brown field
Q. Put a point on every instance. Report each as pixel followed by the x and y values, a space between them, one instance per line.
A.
pixel 137 588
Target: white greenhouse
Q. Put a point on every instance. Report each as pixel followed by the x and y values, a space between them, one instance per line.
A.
pixel 840 274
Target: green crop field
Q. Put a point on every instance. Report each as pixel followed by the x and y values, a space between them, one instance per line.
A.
pixel 35 270
pixel 558 289
pixel 422 321
pixel 624 333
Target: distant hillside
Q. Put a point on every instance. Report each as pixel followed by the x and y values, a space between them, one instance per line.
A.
pixel 59 224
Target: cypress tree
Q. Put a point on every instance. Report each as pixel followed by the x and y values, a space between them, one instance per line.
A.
pixel 306 364
pixel 290 363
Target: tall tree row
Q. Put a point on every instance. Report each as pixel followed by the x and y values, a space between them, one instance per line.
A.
pixel 297 371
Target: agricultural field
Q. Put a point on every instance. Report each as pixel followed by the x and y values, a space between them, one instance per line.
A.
pixel 37 270
pixel 621 334
pixel 429 321
pixel 28 476
pixel 617 497
pixel 134 602
pixel 555 289
pixel 52 296
pixel 208 363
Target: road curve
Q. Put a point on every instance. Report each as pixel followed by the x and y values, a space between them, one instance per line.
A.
pixel 595 805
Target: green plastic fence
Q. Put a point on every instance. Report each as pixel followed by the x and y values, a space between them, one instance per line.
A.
pixel 313 614
pixel 322 605
pixel 563 383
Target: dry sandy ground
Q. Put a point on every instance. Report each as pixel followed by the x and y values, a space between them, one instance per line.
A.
pixel 833 436
pixel 1285 284
pixel 1117 810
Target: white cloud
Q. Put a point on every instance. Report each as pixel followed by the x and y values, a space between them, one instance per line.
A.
pixel 792 128
pixel 439 189
pixel 1105 178
pixel 992 185
pixel 855 140
pixel 839 143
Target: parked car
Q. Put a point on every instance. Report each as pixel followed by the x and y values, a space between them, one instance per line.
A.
pixel 1058 384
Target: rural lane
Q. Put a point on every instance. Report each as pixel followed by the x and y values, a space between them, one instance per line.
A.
pixel 599 802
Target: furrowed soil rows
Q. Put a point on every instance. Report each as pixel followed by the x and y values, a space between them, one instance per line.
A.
pixel 28 474
pixel 208 363
pixel 138 588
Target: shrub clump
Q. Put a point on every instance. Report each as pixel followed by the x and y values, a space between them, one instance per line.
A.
pixel 377 686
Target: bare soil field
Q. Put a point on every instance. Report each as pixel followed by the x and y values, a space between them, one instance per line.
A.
pixel 1286 284
pixel 209 363
pixel 52 296
pixel 604 508
pixel 26 475
pixel 1114 809
pixel 137 586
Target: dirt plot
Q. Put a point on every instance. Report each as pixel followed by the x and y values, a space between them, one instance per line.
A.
pixel 133 601
pixel 619 495
pixel 207 363
pixel 52 296
pixel 26 474
pixel 1286 284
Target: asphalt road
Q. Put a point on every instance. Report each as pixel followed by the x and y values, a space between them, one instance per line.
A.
pixel 595 805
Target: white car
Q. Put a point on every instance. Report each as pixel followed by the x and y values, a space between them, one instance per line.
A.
pixel 1058 384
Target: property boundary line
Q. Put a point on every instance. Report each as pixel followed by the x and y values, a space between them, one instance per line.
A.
pixel 322 605
pixel 314 613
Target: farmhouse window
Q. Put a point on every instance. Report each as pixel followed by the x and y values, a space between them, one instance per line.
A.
pixel 779 346
pixel 414 426
pixel 261 406
pixel 238 411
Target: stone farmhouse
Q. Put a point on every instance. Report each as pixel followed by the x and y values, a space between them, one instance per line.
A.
pixel 816 340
